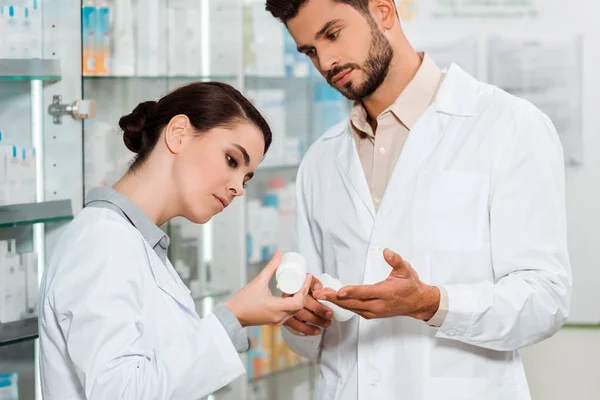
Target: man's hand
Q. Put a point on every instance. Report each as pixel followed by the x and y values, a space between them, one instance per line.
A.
pixel 314 314
pixel 401 294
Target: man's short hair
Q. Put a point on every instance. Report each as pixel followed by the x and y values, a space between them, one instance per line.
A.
pixel 284 10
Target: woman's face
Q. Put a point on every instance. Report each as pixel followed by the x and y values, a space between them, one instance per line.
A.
pixel 213 168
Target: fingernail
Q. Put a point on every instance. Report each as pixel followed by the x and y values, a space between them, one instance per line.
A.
pixel 322 297
pixel 317 331
pixel 328 314
pixel 318 286
pixel 343 294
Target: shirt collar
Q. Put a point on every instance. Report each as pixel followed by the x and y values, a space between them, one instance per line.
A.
pixel 412 102
pixel 151 232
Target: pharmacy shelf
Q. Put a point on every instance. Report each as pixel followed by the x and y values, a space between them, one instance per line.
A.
pixel 33 213
pixel 284 79
pixel 277 167
pixel 581 326
pixel 274 374
pixel 211 294
pixel 221 78
pixel 29 69
pixel 19 331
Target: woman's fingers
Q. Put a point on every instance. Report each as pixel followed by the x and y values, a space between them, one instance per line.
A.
pixel 269 270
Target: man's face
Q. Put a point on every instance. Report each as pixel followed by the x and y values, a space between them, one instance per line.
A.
pixel 345 45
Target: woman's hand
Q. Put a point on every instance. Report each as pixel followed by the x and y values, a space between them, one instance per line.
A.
pixel 255 305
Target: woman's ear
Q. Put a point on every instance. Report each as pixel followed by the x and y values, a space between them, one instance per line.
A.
pixel 175 132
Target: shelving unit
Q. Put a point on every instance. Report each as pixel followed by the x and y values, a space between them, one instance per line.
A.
pixel 35 213
pixel 212 257
pixel 20 331
pixel 30 70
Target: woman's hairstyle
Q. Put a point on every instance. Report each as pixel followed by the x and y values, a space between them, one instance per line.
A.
pixel 208 105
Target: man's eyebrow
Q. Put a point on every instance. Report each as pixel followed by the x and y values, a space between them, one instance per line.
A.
pixel 318 35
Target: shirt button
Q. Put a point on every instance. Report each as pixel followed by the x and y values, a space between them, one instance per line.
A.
pixel 377 199
pixel 381 150
pixel 374 383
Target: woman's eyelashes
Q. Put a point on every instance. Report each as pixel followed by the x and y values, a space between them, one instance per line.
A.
pixel 232 162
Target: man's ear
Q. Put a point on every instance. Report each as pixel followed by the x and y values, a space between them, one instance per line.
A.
pixel 384 12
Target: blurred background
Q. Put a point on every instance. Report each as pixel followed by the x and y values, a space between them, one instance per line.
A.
pixel 69 69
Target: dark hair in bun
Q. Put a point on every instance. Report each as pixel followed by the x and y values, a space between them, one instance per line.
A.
pixel 208 105
pixel 133 126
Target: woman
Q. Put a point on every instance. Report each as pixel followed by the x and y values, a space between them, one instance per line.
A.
pixel 116 322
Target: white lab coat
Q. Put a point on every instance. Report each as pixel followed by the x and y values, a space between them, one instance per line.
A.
pixel 117 323
pixel 475 204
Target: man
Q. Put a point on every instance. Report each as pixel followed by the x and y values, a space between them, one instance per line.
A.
pixel 461 179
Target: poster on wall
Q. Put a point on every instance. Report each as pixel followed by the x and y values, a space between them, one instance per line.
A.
pixel 547 72
pixel 463 52
pixel 469 9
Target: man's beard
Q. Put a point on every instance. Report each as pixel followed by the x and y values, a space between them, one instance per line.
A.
pixel 375 68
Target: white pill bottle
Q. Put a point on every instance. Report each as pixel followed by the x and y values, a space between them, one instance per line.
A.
pixel 290 277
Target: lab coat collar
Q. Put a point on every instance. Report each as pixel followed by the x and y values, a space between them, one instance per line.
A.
pixel 458 93
pixel 129 210
pixel 457 96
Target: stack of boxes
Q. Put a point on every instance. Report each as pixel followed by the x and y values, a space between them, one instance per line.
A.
pixel 18 283
pixel 268 352
pixel 17 174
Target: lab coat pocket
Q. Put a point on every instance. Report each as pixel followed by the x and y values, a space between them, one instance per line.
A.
pixel 455 388
pixel 450 210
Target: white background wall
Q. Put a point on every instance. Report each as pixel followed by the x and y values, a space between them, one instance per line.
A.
pixel 566 366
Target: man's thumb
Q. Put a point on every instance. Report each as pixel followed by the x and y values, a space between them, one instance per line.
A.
pixel 394 260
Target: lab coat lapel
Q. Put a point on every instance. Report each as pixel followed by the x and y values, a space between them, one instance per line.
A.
pixel 169 282
pixel 456 98
pixel 351 167
pixel 421 142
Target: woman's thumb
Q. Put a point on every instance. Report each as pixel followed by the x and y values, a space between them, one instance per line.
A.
pixel 269 270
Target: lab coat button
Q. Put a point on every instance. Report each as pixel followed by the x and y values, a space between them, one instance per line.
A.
pixel 374 383
pixel 382 150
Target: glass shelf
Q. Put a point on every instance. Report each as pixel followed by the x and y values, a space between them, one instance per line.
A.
pixel 283 79
pixel 33 213
pixel 162 77
pixel 277 373
pixel 29 70
pixel 581 326
pixel 277 167
pixel 211 293
pixel 19 331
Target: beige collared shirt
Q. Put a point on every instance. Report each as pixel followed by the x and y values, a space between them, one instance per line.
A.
pixel 379 150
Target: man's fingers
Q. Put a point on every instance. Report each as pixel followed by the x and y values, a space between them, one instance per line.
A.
pixel 326 294
pixel 301 327
pixel 363 292
pixel 307 316
pixel 315 284
pixel 351 304
pixel 317 308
